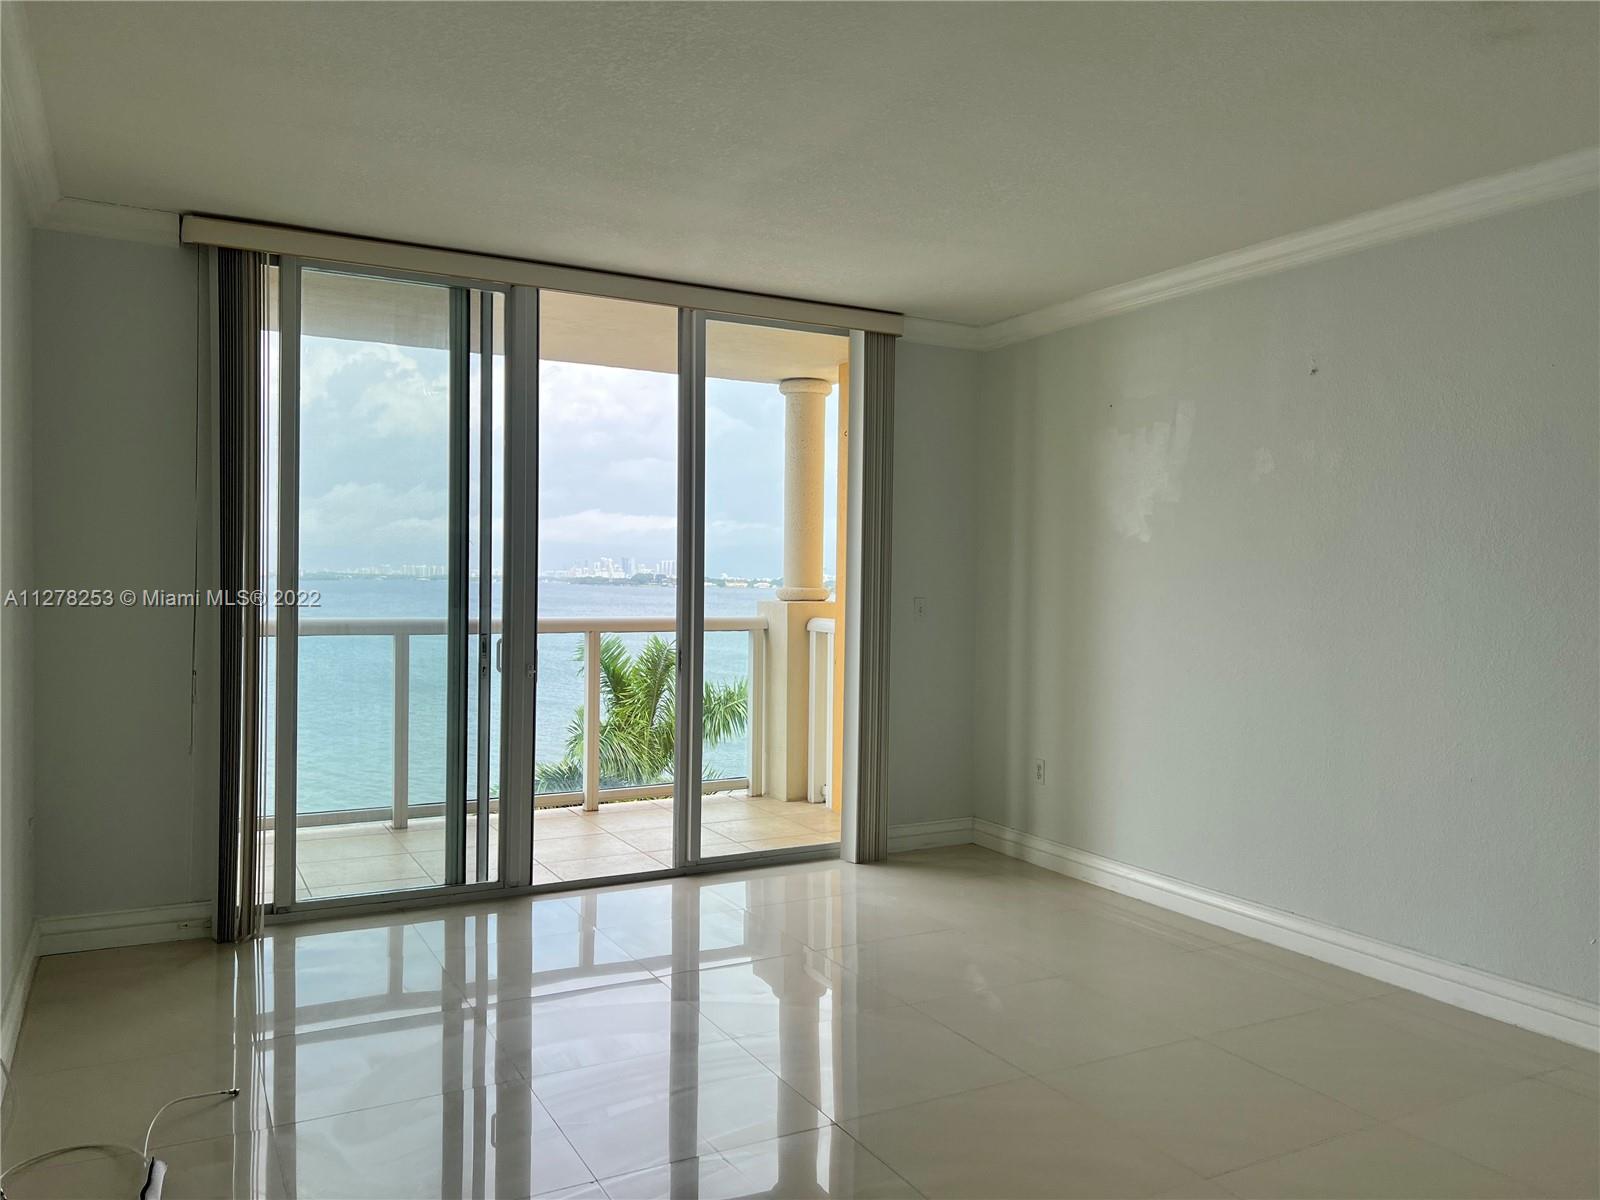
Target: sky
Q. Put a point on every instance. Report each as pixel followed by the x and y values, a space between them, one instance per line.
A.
pixel 374 470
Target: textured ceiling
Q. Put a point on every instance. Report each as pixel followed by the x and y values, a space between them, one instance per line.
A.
pixel 953 161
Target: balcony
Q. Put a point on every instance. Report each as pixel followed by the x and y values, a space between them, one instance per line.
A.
pixel 600 830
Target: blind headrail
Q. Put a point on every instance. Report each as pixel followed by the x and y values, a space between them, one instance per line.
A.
pixel 199 230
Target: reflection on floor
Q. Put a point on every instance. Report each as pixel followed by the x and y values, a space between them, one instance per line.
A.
pixel 952 1023
pixel 623 837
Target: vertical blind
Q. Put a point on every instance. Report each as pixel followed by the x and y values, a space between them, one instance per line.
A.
pixel 867 840
pixel 240 291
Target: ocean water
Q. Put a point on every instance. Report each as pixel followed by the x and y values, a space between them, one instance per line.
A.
pixel 345 732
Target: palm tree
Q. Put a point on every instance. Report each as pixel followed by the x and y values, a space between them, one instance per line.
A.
pixel 639 696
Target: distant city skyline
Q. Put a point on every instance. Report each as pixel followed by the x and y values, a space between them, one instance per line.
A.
pixel 606 567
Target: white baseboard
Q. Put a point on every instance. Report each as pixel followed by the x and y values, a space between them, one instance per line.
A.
pixel 16 1000
pixel 1534 1008
pixel 129 927
pixel 923 835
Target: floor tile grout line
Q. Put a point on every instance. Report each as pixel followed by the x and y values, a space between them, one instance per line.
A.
pixel 1368 1121
pixel 1297 1150
pixel 1566 1087
pixel 1210 1039
pixel 829 1125
pixel 1291 976
pixel 1451 1031
pixel 1387 1127
pixel 1134 1132
pixel 1393 1124
pixel 1454 1030
pixel 897 1108
pixel 1345 1104
pixel 1186 1037
pixel 904 937
pixel 565 1136
pixel 720 1152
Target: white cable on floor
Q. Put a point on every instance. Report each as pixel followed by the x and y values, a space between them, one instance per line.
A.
pixel 143 1155
pixel 57 1153
pixel 231 1093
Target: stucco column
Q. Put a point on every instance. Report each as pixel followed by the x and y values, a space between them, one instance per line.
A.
pixel 803 450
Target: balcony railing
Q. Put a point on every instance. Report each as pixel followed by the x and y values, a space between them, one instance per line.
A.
pixel 819 718
pixel 401 630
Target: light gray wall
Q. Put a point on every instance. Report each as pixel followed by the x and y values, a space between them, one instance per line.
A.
pixel 120 817
pixel 1293 584
pixel 16 572
pixel 932 658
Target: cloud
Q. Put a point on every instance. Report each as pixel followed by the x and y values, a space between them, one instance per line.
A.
pixel 720 423
pixel 594 525
pixel 382 391
pixel 638 403
pixel 366 523
pixel 731 528
pixel 375 428
pixel 643 470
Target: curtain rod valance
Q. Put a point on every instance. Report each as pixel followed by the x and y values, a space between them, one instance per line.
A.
pixel 490 268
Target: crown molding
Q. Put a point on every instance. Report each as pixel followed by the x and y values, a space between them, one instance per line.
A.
pixel 26 130
pixel 27 134
pixel 944 333
pixel 1568 175
pixel 121 221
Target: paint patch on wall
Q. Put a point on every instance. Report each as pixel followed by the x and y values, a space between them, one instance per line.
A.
pixel 1265 465
pixel 1327 458
pixel 1138 470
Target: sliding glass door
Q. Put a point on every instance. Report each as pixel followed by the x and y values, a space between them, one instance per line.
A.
pixel 391 444
pixel 768 618
pixel 607 718
pixel 687 589
pixel 558 587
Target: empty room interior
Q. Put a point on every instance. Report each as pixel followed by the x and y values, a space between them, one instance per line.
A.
pixel 797 600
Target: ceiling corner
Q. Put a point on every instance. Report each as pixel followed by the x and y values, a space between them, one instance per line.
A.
pixel 945 333
pixel 26 130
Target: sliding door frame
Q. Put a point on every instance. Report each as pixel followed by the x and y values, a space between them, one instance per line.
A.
pixel 484 664
pixel 286 683
pixel 456 585
pixel 519 638
pixel 515 856
pixel 518 659
pixel 689 751
pixel 688 786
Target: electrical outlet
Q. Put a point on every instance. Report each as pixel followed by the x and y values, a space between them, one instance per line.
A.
pixel 919 605
pixel 1038 771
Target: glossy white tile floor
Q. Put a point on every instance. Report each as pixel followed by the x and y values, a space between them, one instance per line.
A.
pixel 953 1023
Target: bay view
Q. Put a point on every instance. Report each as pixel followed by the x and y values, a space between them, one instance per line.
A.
pixel 345 730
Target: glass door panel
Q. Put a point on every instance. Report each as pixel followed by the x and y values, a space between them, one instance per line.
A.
pixel 390 531
pixel 605 718
pixel 770 532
